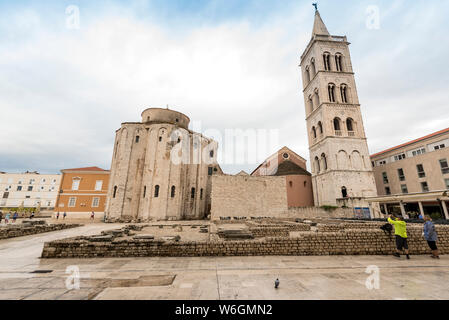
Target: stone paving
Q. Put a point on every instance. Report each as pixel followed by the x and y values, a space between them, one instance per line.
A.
pixel 335 277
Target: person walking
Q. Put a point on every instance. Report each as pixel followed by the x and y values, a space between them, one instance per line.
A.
pixel 92 216
pixel 8 215
pixel 400 231
pixel 57 216
pixel 431 236
pixel 64 215
pixel 14 217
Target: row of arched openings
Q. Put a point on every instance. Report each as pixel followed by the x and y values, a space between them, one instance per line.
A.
pixel 354 161
pixel 337 124
pixel 314 99
pixel 331 63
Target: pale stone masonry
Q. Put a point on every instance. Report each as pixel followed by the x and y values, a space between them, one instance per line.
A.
pixel 246 196
pixel 342 240
pixel 341 168
pixel 26 229
pixel 160 169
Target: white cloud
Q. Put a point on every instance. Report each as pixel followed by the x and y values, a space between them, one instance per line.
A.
pixel 63 93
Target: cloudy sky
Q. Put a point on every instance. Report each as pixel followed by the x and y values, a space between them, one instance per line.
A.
pixel 227 64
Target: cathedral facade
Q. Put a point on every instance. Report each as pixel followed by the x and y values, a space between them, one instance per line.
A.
pixel 161 170
pixel 341 168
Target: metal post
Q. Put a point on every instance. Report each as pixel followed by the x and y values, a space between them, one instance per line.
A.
pixel 421 209
pixel 446 214
pixel 401 204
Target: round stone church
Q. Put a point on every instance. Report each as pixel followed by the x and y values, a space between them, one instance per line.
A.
pixel 161 170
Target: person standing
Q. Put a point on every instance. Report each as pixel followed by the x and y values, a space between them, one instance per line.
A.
pixel 8 215
pixel 431 236
pixel 14 217
pixel 64 215
pixel 57 216
pixel 32 215
pixel 92 216
pixel 1 217
pixel 400 231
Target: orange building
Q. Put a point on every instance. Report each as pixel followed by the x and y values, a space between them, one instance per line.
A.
pixel 293 167
pixel 83 191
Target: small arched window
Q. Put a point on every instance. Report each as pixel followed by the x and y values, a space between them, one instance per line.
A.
pixel 344 192
pixel 337 126
pixel 327 61
pixel 201 194
pixel 314 132
pixel 350 125
pixel 156 191
pixel 307 75
pixel 193 193
pixel 317 98
pixel 144 191
pixel 310 103
pixel 115 192
pixel 173 190
pixel 344 93
pixel 317 165
pixel 339 62
pixel 320 127
pixel 331 91
pixel 323 158
pixel 312 68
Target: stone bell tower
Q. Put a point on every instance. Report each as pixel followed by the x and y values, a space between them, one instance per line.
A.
pixel 341 166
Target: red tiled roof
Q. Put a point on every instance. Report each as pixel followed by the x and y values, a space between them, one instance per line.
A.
pixel 85 169
pixel 411 142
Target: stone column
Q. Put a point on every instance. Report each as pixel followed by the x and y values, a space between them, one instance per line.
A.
pixel 403 210
pixel 421 208
pixel 386 208
pixel 446 214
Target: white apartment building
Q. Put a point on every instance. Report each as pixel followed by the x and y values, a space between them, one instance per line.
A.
pixel 29 189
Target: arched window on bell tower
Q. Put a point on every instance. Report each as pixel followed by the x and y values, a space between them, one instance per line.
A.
pixel 324 161
pixel 339 62
pixel 320 128
pixel 337 126
pixel 312 68
pixel 308 78
pixel 331 91
pixel 327 61
pixel 317 98
pixel 350 127
pixel 317 165
pixel 310 103
pixel 344 93
pixel 314 132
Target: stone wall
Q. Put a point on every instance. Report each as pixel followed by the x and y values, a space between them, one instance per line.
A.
pixel 245 196
pixel 346 242
pixel 20 231
pixel 317 212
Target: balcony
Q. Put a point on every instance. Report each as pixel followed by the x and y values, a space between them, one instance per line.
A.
pixel 338 133
pixel 351 134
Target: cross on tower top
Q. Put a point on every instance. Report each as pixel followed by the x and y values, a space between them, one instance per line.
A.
pixel 315 5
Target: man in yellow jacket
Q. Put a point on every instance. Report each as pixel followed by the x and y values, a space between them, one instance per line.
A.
pixel 400 231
